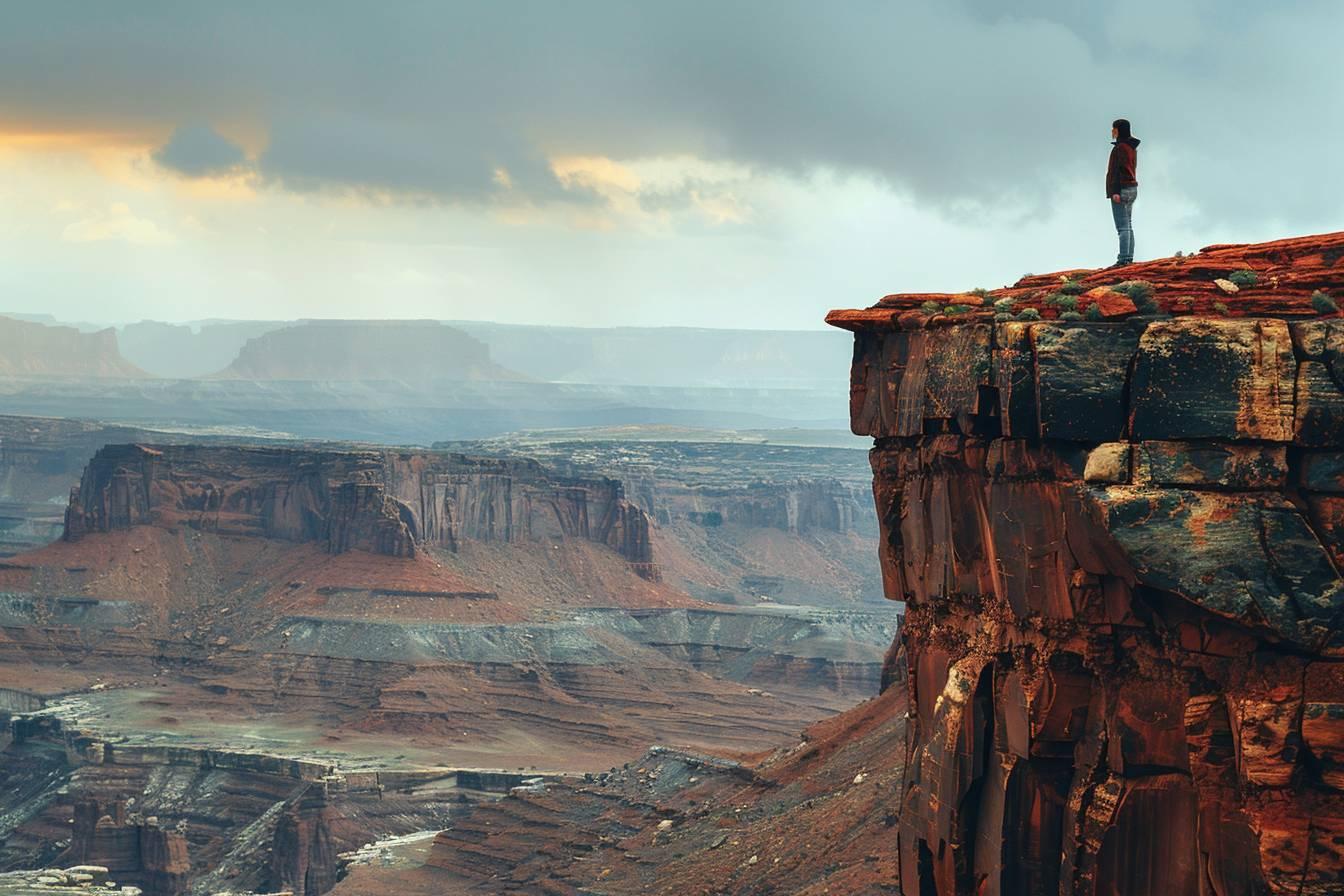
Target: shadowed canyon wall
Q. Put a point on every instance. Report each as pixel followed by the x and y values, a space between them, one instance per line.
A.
pixel 1119 544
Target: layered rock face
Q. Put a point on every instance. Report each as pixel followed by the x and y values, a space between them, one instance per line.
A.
pixel 130 847
pixel 799 507
pixel 1119 545
pixel 388 503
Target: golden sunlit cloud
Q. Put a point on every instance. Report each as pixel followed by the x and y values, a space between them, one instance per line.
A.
pixel 597 173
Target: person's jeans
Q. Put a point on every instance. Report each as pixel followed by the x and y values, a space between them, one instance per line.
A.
pixel 1123 211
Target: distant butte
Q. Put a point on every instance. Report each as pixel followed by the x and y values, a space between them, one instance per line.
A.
pixel 30 349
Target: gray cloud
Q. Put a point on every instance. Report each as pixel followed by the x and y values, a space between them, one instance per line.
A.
pixel 407 158
pixel 953 102
pixel 198 150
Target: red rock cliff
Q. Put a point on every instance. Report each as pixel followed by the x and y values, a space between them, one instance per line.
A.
pixel 385 502
pixel 1119 541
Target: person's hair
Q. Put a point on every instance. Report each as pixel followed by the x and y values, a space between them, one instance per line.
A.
pixel 1122 126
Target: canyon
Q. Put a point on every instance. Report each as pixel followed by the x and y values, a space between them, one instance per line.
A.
pixel 1106 502
pixel 243 659
pixel 1120 666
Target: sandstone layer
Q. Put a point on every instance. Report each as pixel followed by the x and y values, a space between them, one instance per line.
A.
pixel 1119 546
pixel 737 522
pixel 389 503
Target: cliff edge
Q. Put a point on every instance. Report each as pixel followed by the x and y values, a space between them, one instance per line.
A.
pixel 1113 502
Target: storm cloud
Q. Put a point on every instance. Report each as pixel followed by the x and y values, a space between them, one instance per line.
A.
pixel 198 151
pixel 951 103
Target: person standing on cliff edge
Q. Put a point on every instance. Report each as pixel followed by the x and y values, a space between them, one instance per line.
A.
pixel 1122 186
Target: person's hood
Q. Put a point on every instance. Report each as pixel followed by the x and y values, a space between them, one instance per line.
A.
pixel 1132 141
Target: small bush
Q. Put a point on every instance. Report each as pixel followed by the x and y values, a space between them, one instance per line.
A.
pixel 931 307
pixel 1094 312
pixel 1140 292
pixel 1244 278
pixel 1323 302
pixel 1135 289
pixel 1062 301
pixel 1070 315
pixel 1220 308
pixel 980 292
pixel 1028 314
pixel 1004 306
pixel 1003 315
pixel 1071 286
pixel 956 309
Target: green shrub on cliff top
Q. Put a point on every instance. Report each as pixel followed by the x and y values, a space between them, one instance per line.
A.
pixel 1070 315
pixel 1244 278
pixel 1323 302
pixel 1094 312
pixel 1004 305
pixel 956 309
pixel 1063 301
pixel 1072 286
pixel 1140 292
pixel 931 307
pixel 1028 314
pixel 979 292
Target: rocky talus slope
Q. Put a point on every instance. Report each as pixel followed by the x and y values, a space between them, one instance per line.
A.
pixel 1119 544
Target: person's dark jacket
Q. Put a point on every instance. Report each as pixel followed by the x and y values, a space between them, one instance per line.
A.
pixel 1122 171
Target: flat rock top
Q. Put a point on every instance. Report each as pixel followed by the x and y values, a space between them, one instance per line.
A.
pixel 1283 278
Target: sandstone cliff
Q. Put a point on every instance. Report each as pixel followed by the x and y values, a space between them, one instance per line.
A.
pixel 1119 544
pixel 384 502
pixel 30 349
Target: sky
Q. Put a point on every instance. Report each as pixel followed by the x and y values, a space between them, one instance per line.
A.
pixel 718 164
